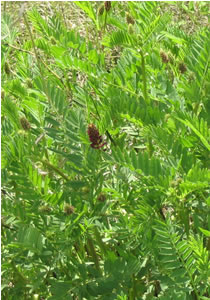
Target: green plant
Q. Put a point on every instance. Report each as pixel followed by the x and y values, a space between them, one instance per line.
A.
pixel 105 156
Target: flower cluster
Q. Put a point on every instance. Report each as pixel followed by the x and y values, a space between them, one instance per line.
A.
pixel 94 137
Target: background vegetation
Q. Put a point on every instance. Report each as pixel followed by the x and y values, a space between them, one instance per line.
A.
pixel 105 150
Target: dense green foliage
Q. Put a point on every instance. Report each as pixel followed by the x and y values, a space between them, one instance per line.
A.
pixel 128 219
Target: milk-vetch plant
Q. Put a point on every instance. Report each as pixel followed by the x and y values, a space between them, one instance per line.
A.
pixel 105 156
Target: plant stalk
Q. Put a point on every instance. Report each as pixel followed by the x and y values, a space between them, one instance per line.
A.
pixel 50 166
pixel 144 78
pixel 93 253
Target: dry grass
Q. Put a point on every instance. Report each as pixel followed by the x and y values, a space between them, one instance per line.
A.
pixel 73 17
pixel 189 16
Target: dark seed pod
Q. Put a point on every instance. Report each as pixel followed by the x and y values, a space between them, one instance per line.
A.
pixel 101 10
pixel 182 67
pixel 7 68
pixel 107 5
pixel 25 124
pixel 101 197
pixel 129 19
pixel 2 95
pixel 164 56
pixel 68 209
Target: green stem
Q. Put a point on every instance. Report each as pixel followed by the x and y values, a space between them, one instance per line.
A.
pixel 93 253
pixel 4 7
pixel 107 132
pixel 144 78
pixel 134 287
pixel 110 137
pixel 35 52
pixel 99 241
pixel 105 20
pixel 21 277
pixel 195 291
pixel 208 244
pixel 150 147
pixel 39 63
pixel 49 165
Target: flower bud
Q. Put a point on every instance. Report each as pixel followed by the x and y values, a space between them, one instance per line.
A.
pixel 167 116
pixel 53 40
pixel 68 209
pixel 44 209
pixel 25 124
pixel 7 68
pixel 191 76
pixel 164 56
pixel 129 19
pixel 101 10
pixel 107 5
pixel 130 29
pixel 2 95
pixel 182 67
pixel 29 82
pixel 101 197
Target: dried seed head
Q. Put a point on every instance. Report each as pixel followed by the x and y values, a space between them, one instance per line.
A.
pixel 129 19
pixel 107 5
pixel 69 209
pixel 182 67
pixel 164 56
pixel 101 197
pixel 101 10
pixel 25 124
